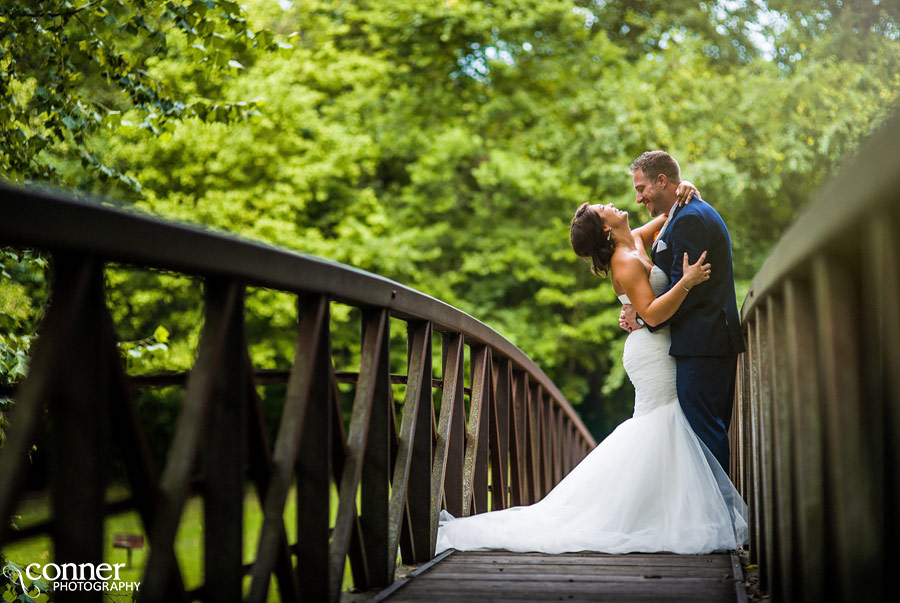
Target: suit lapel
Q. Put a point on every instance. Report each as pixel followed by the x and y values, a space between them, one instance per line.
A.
pixel 662 240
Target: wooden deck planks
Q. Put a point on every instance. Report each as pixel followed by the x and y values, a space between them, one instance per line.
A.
pixel 502 576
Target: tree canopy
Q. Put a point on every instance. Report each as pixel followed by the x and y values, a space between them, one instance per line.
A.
pixel 441 143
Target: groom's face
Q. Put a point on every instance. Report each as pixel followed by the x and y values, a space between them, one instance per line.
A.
pixel 649 194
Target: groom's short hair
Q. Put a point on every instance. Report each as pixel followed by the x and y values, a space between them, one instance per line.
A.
pixel 654 163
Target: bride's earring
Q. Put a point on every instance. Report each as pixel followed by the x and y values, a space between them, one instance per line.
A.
pixel 608 235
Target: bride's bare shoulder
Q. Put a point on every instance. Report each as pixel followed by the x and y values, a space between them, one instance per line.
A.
pixel 625 265
pixel 627 259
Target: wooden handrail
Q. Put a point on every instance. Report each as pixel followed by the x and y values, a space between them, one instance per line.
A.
pixel 404 469
pixel 815 434
pixel 51 220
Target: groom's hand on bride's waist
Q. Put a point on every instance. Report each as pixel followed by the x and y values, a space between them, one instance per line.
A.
pixel 628 319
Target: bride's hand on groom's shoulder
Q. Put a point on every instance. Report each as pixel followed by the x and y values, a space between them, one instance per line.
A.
pixel 685 191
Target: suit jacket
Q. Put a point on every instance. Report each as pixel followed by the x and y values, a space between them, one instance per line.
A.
pixel 707 323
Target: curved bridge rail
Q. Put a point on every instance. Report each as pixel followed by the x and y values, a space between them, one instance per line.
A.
pixel 816 429
pixel 521 434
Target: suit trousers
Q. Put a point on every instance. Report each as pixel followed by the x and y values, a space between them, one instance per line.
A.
pixel 705 386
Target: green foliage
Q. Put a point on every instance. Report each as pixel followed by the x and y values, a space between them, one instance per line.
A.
pixel 861 32
pixel 13 357
pixel 447 143
pixel 23 293
pixel 146 355
pixel 157 317
pixel 72 68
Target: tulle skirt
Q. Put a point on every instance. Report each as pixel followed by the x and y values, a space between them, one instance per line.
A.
pixel 650 486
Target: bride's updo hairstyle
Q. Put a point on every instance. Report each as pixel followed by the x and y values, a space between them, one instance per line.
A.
pixel 590 241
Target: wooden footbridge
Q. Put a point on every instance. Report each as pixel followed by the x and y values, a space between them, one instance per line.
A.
pixel 815 433
pixel 501 576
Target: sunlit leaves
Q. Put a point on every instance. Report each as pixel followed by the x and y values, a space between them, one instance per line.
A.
pixel 69 69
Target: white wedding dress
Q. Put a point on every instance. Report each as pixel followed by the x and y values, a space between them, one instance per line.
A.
pixel 650 486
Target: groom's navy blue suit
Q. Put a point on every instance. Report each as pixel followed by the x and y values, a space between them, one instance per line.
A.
pixel 706 331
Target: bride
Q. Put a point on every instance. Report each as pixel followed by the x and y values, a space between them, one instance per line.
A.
pixel 651 485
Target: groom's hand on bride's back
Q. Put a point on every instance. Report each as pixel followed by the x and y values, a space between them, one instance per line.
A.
pixel 628 318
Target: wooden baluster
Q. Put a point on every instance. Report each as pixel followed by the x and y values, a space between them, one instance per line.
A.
pixel 881 294
pixel 808 436
pixel 544 405
pixel 376 469
pixel 746 431
pixel 757 554
pixel 223 474
pixel 519 441
pixel 571 460
pixel 767 508
pixel 134 448
pixel 223 302
pixel 500 441
pixel 535 469
pixel 545 459
pixel 312 469
pixel 69 366
pixel 577 437
pixel 734 429
pixel 565 426
pixel 558 445
pixel 311 368
pixel 782 434
pixel 852 486
pixel 578 457
pixel 79 408
pixel 475 479
pixel 547 442
pixel 410 508
pixel 261 472
pixel 446 476
pixel 369 404
pixel 340 452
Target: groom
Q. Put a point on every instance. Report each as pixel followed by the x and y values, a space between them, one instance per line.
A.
pixel 706 331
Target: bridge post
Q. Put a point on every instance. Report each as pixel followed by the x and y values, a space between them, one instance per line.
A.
pixel 223 473
pixel 80 407
pixel 808 462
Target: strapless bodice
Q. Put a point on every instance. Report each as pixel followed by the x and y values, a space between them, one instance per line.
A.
pixel 658 282
pixel 647 361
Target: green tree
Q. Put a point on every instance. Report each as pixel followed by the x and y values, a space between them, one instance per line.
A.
pixel 71 68
pixel 447 143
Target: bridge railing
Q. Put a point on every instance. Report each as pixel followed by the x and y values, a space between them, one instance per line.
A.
pixel 816 430
pixel 393 470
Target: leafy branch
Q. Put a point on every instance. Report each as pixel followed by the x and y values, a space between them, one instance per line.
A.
pixel 68 72
pixel 27 12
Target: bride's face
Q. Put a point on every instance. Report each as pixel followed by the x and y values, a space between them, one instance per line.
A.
pixel 612 217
